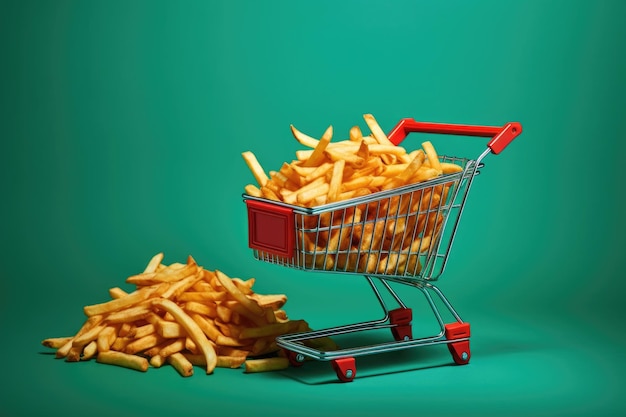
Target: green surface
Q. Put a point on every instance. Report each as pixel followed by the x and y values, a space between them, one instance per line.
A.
pixel 122 125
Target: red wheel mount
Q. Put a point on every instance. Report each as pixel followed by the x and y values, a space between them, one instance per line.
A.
pixel 460 350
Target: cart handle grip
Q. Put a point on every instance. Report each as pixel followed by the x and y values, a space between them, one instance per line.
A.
pixel 501 136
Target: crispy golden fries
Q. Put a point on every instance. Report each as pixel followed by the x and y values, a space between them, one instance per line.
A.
pixel 266 364
pixel 181 315
pixel 386 236
pixel 123 359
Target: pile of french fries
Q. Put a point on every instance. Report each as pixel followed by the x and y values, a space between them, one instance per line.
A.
pixel 379 237
pixel 184 315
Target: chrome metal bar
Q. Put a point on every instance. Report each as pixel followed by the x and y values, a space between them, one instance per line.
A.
pixel 392 292
pixel 434 308
pixel 445 301
pixel 379 297
pixel 363 350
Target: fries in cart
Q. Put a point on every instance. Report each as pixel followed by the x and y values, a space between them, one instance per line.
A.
pixel 367 206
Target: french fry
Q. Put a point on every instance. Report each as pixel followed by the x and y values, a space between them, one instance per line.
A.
pixel 117 292
pixel 175 272
pixel 88 336
pixel 118 303
pixel 120 343
pixel 355 133
pixel 142 344
pixel 433 158
pixel 304 171
pixel 318 172
pixel 154 262
pixel 181 364
pixel 239 309
pixel 390 159
pixel 318 153
pixel 450 168
pixel 125 330
pixel 274 301
pixel 182 285
pixel 204 308
pixel 390 150
pixel 154 350
pixel 352 159
pixel 253 190
pixel 232 362
pixel 412 167
pixel 177 345
pixel 92 321
pixel 130 314
pixel 234 351
pixel 89 351
pixel 244 286
pixel 249 304
pixel 142 280
pixel 190 346
pixel 228 329
pixel 202 296
pixel 106 337
pixel 123 359
pixel 310 194
pixel 144 330
pixel 213 332
pixel 74 354
pixel 269 193
pixel 256 168
pixel 425 174
pixel 304 139
pixel 292 197
pixel 169 329
pixel 56 342
pixel 377 132
pixel 265 364
pixel 355 183
pixel 195 333
pixel 224 313
pixel 156 361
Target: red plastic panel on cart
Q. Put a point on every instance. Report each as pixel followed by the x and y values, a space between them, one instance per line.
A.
pixel 457 330
pixel 270 228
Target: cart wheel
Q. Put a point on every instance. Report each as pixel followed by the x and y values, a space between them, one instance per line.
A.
pixel 401 333
pixel 460 352
pixel 295 359
pixel 345 368
pixel 401 317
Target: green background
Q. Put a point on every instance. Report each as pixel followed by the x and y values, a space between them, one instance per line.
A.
pixel 122 126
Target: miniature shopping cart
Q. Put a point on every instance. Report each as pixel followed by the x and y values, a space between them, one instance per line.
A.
pixel 419 222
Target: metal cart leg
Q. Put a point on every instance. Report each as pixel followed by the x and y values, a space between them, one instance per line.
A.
pixel 458 330
pixel 345 368
pixel 455 334
pixel 399 318
pixel 451 332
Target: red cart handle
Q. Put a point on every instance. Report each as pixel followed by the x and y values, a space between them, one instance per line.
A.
pixel 500 136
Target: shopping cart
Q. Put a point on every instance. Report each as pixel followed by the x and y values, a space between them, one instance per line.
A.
pixel 422 220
